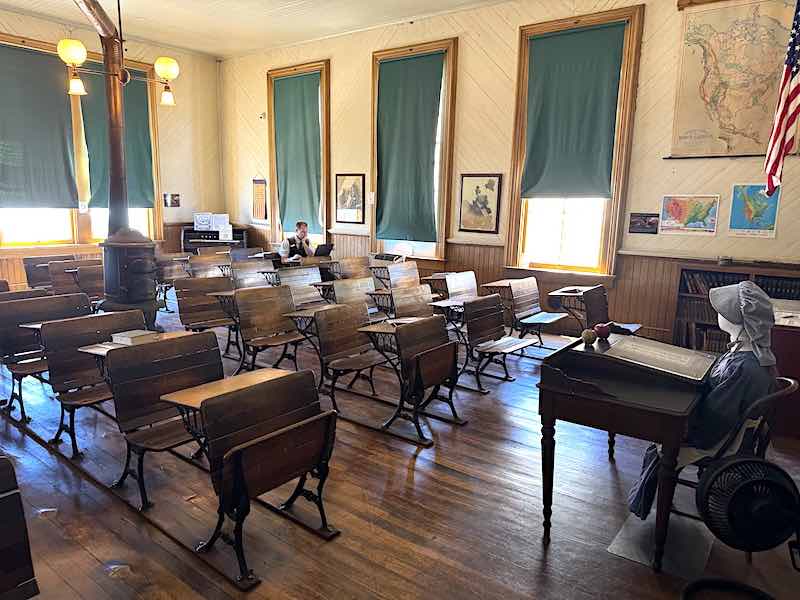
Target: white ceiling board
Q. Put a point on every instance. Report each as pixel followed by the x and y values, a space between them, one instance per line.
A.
pixel 233 27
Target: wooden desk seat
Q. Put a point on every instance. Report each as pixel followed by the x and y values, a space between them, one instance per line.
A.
pixel 23 294
pixel 67 283
pixel 358 291
pixel 461 285
pixel 139 377
pixel 20 350
pixel 403 274
pixel 74 375
pixel 300 280
pixel 263 445
pixel 486 337
pixel 343 349
pixel 263 325
pixel 198 311
pixel 250 272
pixel 91 283
pixel 536 322
pixel 354 267
pixel 40 276
pixel 413 301
pixel 208 265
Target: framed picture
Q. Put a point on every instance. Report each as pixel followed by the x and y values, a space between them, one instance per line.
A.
pixel 350 198
pixel 643 223
pixel 479 211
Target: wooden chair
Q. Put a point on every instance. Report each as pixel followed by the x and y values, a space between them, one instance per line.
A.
pixel 428 361
pixel 300 280
pixel 412 301
pixel 343 349
pixel 20 350
pixel 91 283
pixel 357 292
pixel 74 375
pixel 67 283
pixel 250 273
pixel 138 380
pixel 214 250
pixel 3 286
pixel 23 294
pixel 527 314
pixel 595 302
pixel 209 265
pixel 238 254
pixel 198 311
pixel 379 264
pixel 167 271
pixel 486 338
pixel 263 445
pixel 461 285
pixel 403 274
pixel 37 276
pixel 354 267
pixel 263 326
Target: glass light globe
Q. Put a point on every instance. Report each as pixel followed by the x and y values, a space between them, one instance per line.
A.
pixel 167 97
pixel 76 86
pixel 167 68
pixel 72 52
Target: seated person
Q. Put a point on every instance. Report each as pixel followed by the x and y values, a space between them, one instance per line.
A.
pixel 297 245
pixel 738 378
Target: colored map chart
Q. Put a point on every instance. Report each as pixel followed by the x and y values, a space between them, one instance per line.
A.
pixel 753 213
pixel 689 214
pixel 731 62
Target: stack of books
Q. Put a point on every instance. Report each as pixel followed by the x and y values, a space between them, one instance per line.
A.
pixel 134 336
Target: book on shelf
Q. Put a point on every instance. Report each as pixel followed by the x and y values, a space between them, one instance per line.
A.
pixel 133 337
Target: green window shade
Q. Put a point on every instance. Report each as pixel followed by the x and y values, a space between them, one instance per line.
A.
pixel 298 150
pixel 573 83
pixel 37 168
pixel 138 145
pixel 409 90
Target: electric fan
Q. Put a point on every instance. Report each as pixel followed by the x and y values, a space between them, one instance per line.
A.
pixel 752 505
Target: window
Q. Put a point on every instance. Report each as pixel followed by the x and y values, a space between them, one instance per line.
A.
pixel 411 165
pixel 299 133
pixel 33 226
pixel 575 100
pixel 138 219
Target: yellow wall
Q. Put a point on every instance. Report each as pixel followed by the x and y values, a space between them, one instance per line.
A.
pixel 188 132
pixel 485 114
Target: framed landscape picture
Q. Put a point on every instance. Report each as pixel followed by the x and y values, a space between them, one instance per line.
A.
pixel 480 203
pixel 350 198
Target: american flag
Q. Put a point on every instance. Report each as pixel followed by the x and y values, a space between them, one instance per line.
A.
pixel 782 140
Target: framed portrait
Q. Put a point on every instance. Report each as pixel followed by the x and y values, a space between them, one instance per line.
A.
pixel 479 211
pixel 350 198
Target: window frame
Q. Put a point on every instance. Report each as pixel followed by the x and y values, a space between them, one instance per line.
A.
pixel 323 67
pixel 633 17
pixel 81 224
pixel 450 48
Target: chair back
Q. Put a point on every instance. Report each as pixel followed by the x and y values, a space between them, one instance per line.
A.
pixel 3 286
pixel 525 297
pixel 420 336
pixel 412 301
pixel 194 303
pixel 354 291
pixel 266 444
pixel 354 267
pixel 460 285
pixel 208 265
pixel 238 254
pixel 23 294
pixel 403 274
pixel 248 273
pixel 337 328
pixel 168 269
pixel 71 369
pixel 216 249
pixel 261 311
pixel 38 276
pixel 90 281
pixel 595 302
pixel 67 283
pixel 484 319
pixel 299 280
pixel 140 375
pixel 15 339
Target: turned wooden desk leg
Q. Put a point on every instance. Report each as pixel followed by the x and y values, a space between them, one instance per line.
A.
pixel 667 478
pixel 612 440
pixel 548 462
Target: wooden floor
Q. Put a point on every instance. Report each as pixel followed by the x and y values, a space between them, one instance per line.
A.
pixel 459 520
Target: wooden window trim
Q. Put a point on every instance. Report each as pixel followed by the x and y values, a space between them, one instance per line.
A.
pixel 81 225
pixel 633 17
pixel 323 67
pixel 450 48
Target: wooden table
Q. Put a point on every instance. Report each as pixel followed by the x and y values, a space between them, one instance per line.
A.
pixel 101 350
pixel 587 386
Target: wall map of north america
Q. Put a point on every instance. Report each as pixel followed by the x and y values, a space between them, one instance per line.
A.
pixel 731 62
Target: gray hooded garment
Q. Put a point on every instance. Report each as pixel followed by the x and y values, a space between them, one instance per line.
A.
pixel 734 383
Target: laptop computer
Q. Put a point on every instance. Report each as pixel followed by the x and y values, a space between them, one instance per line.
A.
pixel 323 250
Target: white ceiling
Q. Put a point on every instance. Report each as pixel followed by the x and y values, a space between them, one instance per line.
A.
pixel 230 27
